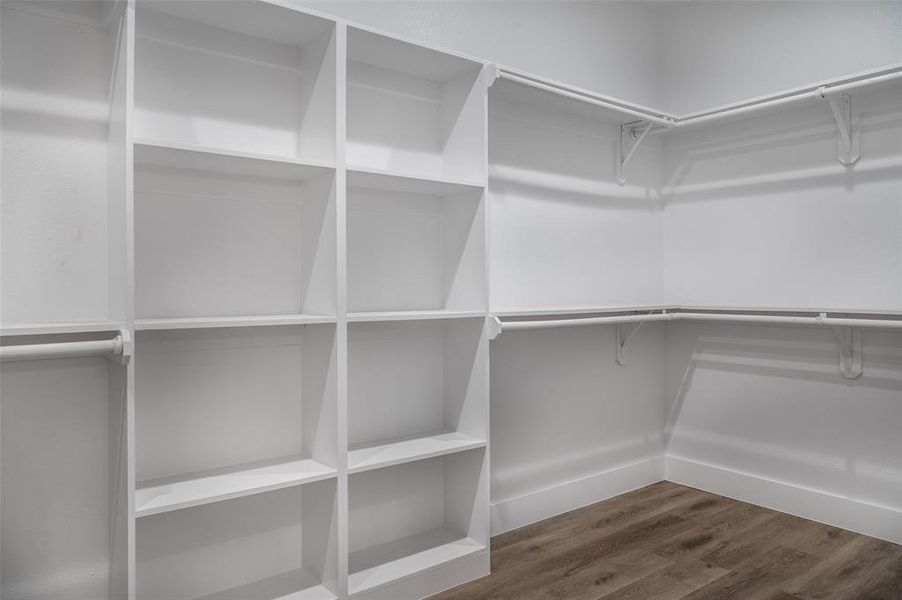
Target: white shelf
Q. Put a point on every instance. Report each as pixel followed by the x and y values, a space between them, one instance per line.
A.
pixel 159 496
pixel 365 457
pixel 217 322
pixel 293 585
pixel 398 181
pixel 380 565
pixel 572 310
pixel 412 315
pixel 209 158
pixel 58 328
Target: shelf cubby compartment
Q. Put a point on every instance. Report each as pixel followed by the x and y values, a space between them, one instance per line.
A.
pixel 417 389
pixel 414 518
pixel 244 75
pixel 231 412
pixel 220 236
pixel 414 245
pixel 63 196
pixel 414 110
pixel 281 545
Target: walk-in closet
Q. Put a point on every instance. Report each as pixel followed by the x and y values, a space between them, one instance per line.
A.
pixel 396 300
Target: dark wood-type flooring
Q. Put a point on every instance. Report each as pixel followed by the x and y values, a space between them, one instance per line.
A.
pixel 671 542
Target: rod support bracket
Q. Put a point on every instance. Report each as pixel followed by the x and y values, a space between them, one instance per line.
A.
pixel 494 327
pixel 635 131
pixel 624 334
pixel 849 137
pixel 125 347
pixel 849 340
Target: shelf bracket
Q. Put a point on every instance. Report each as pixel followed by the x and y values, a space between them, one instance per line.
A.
pixel 849 340
pixel 494 327
pixel 629 131
pixel 126 346
pixel 624 334
pixel 848 145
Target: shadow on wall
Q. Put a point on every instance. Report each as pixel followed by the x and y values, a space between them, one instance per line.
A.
pixel 771 402
pixel 786 152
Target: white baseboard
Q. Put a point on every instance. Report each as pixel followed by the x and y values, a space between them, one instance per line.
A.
pixel 542 504
pixel 855 515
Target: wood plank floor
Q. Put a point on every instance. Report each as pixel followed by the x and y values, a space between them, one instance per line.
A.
pixel 671 542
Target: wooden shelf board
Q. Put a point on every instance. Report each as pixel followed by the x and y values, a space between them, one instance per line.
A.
pixel 381 565
pixel 208 158
pixel 61 327
pixel 216 322
pixel 293 585
pixel 397 181
pixel 168 494
pixel 413 315
pixel 365 457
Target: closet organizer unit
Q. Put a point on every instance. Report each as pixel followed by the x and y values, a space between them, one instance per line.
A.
pixel 223 182
pixel 235 238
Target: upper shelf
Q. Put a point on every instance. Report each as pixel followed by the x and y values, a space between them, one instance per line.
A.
pixel 545 93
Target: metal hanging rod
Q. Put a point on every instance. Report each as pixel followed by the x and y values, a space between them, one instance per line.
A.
pixel 808 93
pixel 589 98
pixel 118 348
pixel 821 320
pixel 666 121
pixel 846 330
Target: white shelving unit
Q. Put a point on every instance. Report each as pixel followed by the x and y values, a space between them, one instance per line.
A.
pixel 286 215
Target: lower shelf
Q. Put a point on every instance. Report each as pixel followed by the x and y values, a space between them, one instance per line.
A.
pixel 163 495
pixel 293 585
pixel 383 564
pixel 364 457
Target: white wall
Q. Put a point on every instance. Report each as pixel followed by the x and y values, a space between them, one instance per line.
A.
pixel 713 53
pixel 569 426
pixel 759 213
pixel 762 414
pixel 609 46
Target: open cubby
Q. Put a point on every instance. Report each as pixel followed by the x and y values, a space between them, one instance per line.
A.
pixel 222 413
pixel 281 544
pixel 243 75
pixel 63 197
pixel 63 508
pixel 416 389
pixel 414 110
pixel 414 517
pixel 414 244
pixel 219 235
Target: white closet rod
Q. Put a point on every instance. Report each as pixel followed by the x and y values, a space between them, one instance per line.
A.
pixel 582 96
pixel 821 320
pixel 665 121
pixel 116 347
pixel 820 91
